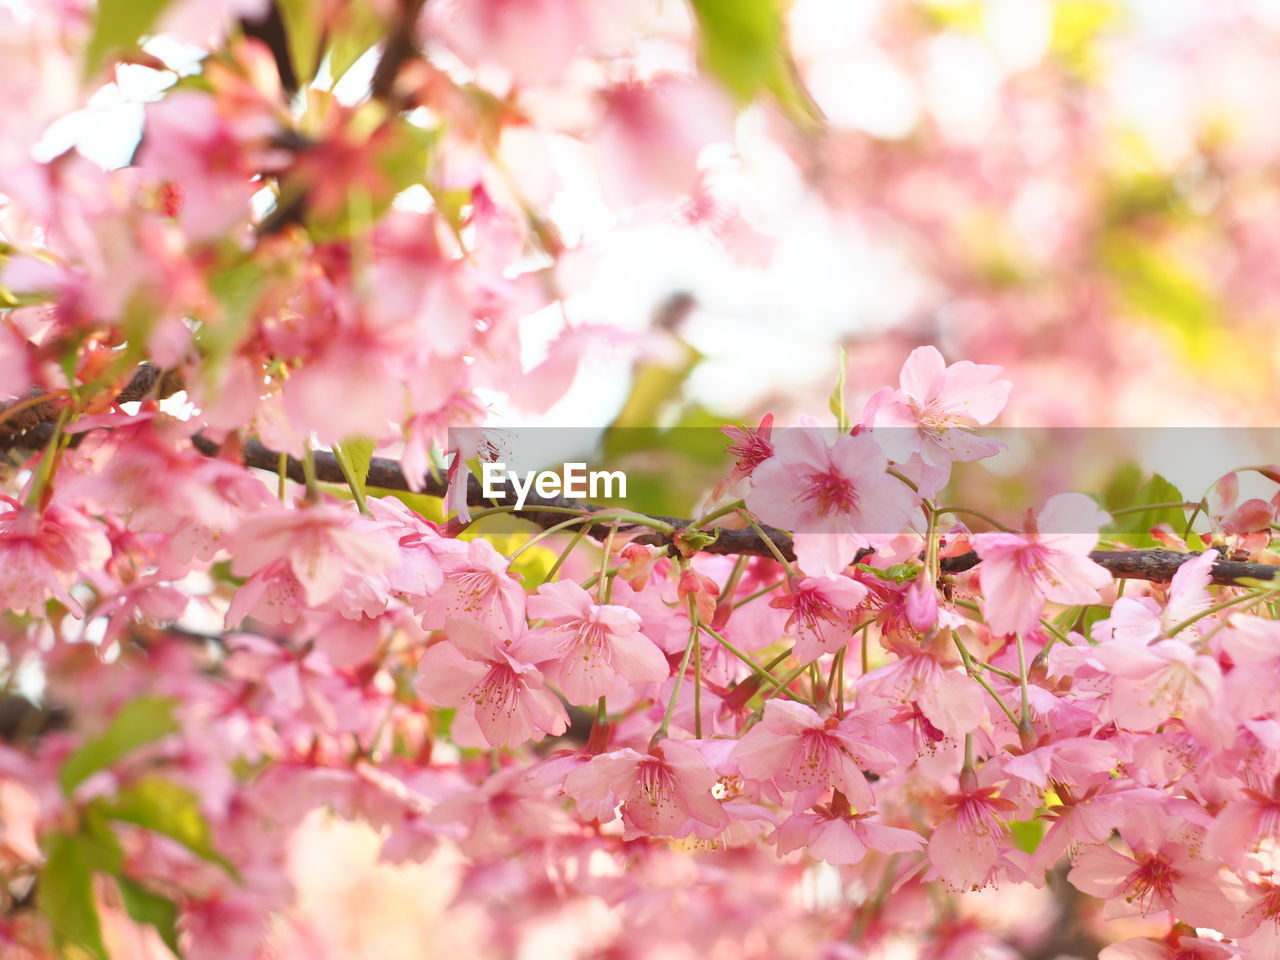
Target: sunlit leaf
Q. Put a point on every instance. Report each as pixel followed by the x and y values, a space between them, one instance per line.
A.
pixel 743 46
pixel 1027 834
pixel 150 908
pixel 170 809
pixel 836 402
pixel 302 26
pixel 65 896
pixel 357 31
pixel 354 456
pixel 118 26
pixel 138 722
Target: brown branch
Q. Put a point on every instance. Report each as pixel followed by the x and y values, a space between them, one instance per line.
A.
pixel 1155 565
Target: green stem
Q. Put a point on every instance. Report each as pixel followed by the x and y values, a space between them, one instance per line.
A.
pixel 48 462
pixel 564 554
pixel 910 483
pixel 604 587
pixel 1223 605
pixel 979 514
pixel 550 531
pixel 718 513
pixel 661 732
pixel 353 482
pixel 735 575
pixel 1022 682
pixel 982 681
pixel 773 547
pixel 309 474
pixel 759 593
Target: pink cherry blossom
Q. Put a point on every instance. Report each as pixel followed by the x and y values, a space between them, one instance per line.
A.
pixel 664 793
pixel 1157 681
pixel 652 134
pixel 202 160
pixel 831 496
pixel 843 840
pixel 821 613
pixel 43 552
pixel 1156 877
pixel 1253 644
pixel 586 649
pixel 1172 948
pixel 1142 619
pixel 1019 573
pixel 971 844
pixel 935 408
pixel 502 700
pixel 477 586
pixel 950 699
pixel 1246 525
pixel 796 749
pixel 322 545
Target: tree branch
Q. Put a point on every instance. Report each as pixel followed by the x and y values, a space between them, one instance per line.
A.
pixel 1157 565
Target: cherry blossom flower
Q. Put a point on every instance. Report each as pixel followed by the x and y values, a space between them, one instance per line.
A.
pixel 652 133
pixel 935 408
pixel 796 749
pixel 821 613
pixel 42 553
pixel 950 699
pixel 201 157
pixel 843 840
pixel 1174 947
pixel 477 586
pixel 664 793
pixel 1019 573
pixel 504 701
pixel 1260 933
pixel 971 845
pixel 586 649
pixel 1157 681
pixel 831 496
pixel 751 447
pixel 1142 619
pixel 1253 644
pixel 1157 876
pixel 322 545
pixel 1247 525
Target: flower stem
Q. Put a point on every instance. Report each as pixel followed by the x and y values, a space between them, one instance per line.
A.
pixel 773 547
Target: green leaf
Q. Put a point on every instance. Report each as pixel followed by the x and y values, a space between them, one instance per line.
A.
pixel 237 289
pixel 169 809
pixel 302 26
pixel 897 573
pixel 354 457
pixel 836 403
pixel 743 47
pixel 65 896
pixel 1136 526
pixel 359 29
pixel 137 722
pixel 1027 834
pixel 741 43
pixel 147 907
pixel 119 25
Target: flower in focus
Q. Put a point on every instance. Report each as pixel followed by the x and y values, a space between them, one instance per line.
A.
pixel 831 496
pixel 1019 572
